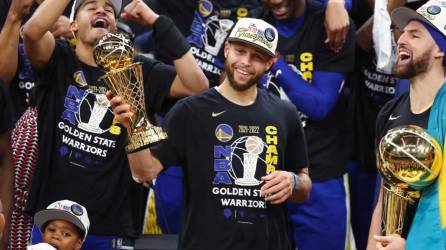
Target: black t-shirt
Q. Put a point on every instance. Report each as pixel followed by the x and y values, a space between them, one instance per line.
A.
pixel 82 156
pixel 225 149
pixel 397 113
pixel 306 51
pixel 6 119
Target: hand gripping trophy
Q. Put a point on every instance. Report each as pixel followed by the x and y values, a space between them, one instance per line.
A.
pixel 114 53
pixel 409 160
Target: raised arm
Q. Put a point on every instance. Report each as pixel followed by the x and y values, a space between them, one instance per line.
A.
pixel 39 42
pixel 317 99
pixel 9 38
pixel 364 36
pixel 337 23
pixel 190 78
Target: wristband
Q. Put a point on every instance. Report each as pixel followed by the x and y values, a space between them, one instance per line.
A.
pixel 296 182
pixel 169 39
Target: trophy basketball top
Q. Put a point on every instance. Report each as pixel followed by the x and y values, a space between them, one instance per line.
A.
pixel 409 158
pixel 113 51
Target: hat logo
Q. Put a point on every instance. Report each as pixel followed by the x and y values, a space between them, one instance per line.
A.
pixel 252 34
pixel 77 210
pixel 205 8
pixel 270 35
pixel 434 10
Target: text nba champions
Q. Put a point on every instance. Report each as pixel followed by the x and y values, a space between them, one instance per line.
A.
pixel 238 196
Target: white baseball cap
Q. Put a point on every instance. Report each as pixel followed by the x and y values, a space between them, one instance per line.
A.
pixel 64 210
pixel 432 13
pixel 255 32
pixel 117 4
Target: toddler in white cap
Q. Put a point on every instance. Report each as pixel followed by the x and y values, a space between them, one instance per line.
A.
pixel 64 226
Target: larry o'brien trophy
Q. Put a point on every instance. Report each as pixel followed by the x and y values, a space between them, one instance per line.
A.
pixel 409 160
pixel 114 54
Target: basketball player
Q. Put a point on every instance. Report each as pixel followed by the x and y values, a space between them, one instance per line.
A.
pixel 84 158
pixel 421 59
pixel 242 150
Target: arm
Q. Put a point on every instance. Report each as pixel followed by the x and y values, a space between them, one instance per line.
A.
pixel 364 37
pixel 6 184
pixel 336 23
pixel 9 38
pixel 144 165
pixel 317 99
pixel 39 42
pixel 190 78
pixel 375 225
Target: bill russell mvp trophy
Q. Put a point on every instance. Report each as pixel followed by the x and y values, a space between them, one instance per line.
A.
pixel 409 160
pixel 114 54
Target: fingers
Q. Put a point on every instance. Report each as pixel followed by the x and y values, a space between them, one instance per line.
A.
pixel 138 11
pixel 278 187
pixel 279 197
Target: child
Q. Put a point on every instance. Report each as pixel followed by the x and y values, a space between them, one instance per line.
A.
pixel 64 226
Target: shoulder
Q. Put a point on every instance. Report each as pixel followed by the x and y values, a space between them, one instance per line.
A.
pixel 390 106
pixel 386 111
pixel 278 104
pixel 196 102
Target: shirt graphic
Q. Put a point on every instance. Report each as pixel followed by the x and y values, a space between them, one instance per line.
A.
pixel 87 128
pixel 239 164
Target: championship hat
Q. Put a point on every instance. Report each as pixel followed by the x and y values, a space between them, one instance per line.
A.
pixel 64 210
pixel 117 4
pixel 432 13
pixel 255 32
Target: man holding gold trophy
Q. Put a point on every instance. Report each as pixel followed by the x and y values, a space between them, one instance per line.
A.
pixel 242 151
pixel 410 138
pixel 83 149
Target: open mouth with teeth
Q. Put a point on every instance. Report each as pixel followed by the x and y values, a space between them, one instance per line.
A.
pixel 404 55
pixel 100 23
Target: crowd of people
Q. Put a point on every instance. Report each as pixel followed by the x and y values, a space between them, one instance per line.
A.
pixel 272 109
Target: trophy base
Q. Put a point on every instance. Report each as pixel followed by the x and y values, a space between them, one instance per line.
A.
pixel 247 182
pixel 140 140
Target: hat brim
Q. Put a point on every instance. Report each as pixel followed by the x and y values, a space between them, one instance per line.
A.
pixel 402 16
pixel 42 217
pixel 233 39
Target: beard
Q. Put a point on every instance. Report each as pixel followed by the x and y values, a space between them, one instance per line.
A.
pixel 236 85
pixel 414 67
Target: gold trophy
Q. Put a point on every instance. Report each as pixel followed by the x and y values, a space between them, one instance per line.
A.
pixel 114 53
pixel 408 159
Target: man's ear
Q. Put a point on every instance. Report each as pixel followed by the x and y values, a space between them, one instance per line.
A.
pixel 73 26
pixel 270 63
pixel 226 49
